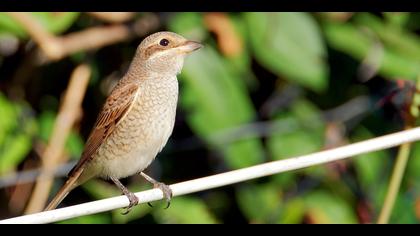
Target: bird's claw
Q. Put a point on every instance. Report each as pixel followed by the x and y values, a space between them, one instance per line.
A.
pixel 133 202
pixel 166 190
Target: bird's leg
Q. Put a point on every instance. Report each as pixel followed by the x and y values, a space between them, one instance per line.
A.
pixel 131 197
pixel 166 190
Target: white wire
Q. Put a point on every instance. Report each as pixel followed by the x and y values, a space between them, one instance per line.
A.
pixel 223 179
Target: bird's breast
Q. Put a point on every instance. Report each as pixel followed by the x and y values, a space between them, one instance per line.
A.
pixel 143 132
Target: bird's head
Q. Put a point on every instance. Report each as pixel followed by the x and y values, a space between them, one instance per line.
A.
pixel 164 52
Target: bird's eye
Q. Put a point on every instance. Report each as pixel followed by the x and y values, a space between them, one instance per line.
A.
pixel 164 42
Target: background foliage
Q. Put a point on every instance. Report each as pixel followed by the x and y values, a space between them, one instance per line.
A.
pixel 266 86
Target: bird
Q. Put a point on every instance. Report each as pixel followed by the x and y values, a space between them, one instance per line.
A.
pixel 136 119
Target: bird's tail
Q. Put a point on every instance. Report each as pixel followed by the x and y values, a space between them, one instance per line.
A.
pixel 70 184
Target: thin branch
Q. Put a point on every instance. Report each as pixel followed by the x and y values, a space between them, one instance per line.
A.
pixel 93 37
pixel 54 48
pixel 46 41
pixel 224 179
pixel 69 112
pixel 395 183
pixel 101 36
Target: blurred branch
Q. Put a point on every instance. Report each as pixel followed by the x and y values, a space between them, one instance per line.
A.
pixel 46 41
pixel 395 183
pixel 29 176
pixel 343 113
pixel 224 179
pixel 54 48
pixel 69 112
pixel 113 17
pixel 280 99
pixel 370 65
pixel 91 38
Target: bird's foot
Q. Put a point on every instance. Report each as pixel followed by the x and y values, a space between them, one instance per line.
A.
pixel 134 201
pixel 166 190
pixel 131 197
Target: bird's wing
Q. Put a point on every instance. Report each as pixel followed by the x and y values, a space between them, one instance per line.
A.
pixel 116 107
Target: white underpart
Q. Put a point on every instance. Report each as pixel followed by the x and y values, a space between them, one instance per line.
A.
pixel 154 117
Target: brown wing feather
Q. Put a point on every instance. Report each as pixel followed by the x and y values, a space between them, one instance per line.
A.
pixel 116 106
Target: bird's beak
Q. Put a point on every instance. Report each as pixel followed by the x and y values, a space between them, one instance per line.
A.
pixel 189 46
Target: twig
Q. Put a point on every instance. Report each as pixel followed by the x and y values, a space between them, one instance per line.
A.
pixel 395 183
pixel 46 41
pixel 69 112
pixel 227 178
pixel 100 36
pixel 93 37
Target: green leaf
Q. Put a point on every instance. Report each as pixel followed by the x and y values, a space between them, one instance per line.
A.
pixel 57 22
pixel 241 63
pixel 398 19
pixel 293 211
pixel 9 26
pixel 14 151
pixel 305 136
pixel 16 132
pixel 46 122
pixel 190 24
pixel 394 38
pixel 293 144
pixel 290 44
pixel 218 101
pixel 353 41
pixel 404 209
pixel 303 133
pixel 9 118
pixel 208 80
pixel 260 203
pixel 75 145
pixel 186 210
pixel 413 167
pixel 325 208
